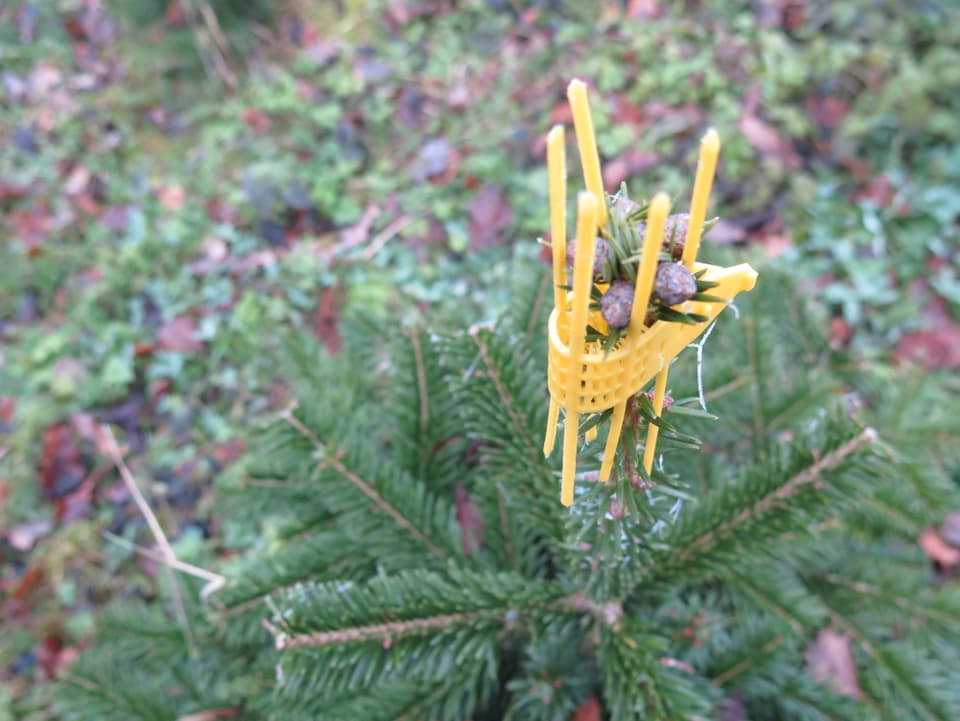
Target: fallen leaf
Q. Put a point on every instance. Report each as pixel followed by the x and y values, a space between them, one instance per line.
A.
pixel 643 9
pixel 792 15
pixel 880 191
pixel 227 453
pixel 23 536
pixel 326 319
pixel 938 550
pixel 62 468
pixel 830 660
pixel 432 160
pixel 589 711
pixel 219 211
pixel 840 333
pixel 172 197
pixel 256 120
pixel 490 214
pixel 827 111
pixel 759 134
pixel 179 334
pixel 935 348
pixel 763 136
pixel 116 218
pixel 174 16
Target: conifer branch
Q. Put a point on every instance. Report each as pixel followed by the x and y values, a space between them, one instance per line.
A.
pixel 385 632
pixel 783 493
pixel 331 461
pixel 545 281
pixel 505 527
pixel 769 647
pixel 421 384
pixel 853 630
pixel 518 420
pixel 607 614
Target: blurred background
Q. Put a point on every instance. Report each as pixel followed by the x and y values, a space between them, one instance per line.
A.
pixel 186 183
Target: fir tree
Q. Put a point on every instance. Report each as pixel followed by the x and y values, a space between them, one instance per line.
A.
pixel 416 563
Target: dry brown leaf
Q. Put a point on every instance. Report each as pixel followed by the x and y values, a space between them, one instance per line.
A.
pixel 937 549
pixel 830 660
pixel 179 334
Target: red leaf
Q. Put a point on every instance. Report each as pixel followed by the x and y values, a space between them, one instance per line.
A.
pixel 879 191
pixel 12 191
pixel 179 334
pixel 220 211
pixel 48 654
pixel 27 582
pixel 326 321
pixel 793 16
pixel 61 464
pixel 840 333
pixel 227 453
pixel 826 110
pixel 589 711
pixel 257 120
pixel 174 16
pixel 938 348
pixel 830 660
pixel 490 213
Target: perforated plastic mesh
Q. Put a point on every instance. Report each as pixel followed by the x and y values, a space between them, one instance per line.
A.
pixel 607 381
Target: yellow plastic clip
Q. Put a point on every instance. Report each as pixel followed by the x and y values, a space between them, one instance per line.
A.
pixel 581 378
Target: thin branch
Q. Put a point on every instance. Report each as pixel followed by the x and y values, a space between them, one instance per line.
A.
pixel 608 614
pixel 331 461
pixel 738 668
pixel 505 527
pixel 505 398
pixel 537 304
pixel 214 580
pixel 743 583
pixel 788 489
pixel 113 450
pixel 422 388
pixel 381 632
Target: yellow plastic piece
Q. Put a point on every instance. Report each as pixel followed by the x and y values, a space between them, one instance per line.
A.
pixel 581 378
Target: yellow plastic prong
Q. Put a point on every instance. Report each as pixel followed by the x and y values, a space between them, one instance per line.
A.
pixel 656 219
pixel 587 145
pixel 553 417
pixel 653 432
pixel 706 168
pixel 613 440
pixel 557 182
pixel 582 279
